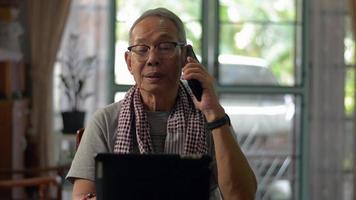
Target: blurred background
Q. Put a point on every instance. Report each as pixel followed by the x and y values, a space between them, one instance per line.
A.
pixel 285 72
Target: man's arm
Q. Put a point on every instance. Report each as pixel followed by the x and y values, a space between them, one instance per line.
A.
pixel 82 188
pixel 235 176
pixel 96 139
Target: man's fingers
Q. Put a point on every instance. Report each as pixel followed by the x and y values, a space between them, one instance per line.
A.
pixel 191 60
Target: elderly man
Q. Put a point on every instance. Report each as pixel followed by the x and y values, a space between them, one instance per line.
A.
pixel 167 118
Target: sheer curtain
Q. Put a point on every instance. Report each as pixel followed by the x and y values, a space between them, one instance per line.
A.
pixel 46 23
pixel 89 21
pixel 326 119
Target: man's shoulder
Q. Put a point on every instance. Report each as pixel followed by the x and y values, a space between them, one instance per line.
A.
pixel 108 113
pixel 110 109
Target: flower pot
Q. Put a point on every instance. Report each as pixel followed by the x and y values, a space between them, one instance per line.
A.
pixel 72 121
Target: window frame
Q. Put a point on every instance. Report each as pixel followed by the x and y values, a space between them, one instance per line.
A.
pixel 210 52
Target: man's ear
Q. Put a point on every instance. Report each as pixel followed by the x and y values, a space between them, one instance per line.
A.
pixel 128 61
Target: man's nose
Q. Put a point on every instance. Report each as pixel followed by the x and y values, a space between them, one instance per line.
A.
pixel 153 57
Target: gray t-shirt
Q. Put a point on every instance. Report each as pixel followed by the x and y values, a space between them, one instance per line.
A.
pixel 158 126
pixel 100 135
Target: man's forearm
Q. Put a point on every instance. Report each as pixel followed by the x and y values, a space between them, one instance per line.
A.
pixel 235 176
pixel 83 189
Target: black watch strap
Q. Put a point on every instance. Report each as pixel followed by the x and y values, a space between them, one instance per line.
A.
pixel 219 122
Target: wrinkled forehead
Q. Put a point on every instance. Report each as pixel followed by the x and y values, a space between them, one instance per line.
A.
pixel 154 27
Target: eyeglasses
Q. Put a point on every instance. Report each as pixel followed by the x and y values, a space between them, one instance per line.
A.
pixel 164 49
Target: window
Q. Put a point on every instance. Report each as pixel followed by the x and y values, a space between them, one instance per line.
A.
pixel 260 59
pixel 262 33
pixel 350 62
pixel 127 11
pixel 349 103
pixel 258 48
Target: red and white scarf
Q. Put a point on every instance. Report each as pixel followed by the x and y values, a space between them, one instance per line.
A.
pixel 183 119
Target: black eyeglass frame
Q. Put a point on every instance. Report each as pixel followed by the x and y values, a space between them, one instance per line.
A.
pixel 156 45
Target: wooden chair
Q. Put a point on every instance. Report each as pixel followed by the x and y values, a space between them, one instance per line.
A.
pixel 78 137
pixel 41 183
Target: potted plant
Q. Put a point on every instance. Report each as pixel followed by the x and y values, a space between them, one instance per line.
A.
pixel 75 71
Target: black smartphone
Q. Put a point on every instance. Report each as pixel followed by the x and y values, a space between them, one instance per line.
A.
pixel 194 84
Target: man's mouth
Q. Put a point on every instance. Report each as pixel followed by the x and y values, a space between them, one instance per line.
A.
pixel 153 76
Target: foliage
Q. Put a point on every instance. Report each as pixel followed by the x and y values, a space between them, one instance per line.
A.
pixel 264 30
pixel 349 92
pixel 75 71
pixel 189 11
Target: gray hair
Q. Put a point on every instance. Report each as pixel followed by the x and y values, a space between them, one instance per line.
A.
pixel 165 13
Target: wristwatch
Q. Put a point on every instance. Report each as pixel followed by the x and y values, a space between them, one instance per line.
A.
pixel 219 122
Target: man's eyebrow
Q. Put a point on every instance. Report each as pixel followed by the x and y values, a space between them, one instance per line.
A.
pixel 165 36
pixel 140 40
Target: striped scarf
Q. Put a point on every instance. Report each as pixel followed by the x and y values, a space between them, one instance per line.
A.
pixel 183 119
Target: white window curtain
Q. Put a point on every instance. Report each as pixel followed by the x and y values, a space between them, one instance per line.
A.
pixel 46 20
pixel 326 118
pixel 89 21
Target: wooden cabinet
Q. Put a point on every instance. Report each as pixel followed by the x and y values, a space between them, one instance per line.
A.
pixel 13 126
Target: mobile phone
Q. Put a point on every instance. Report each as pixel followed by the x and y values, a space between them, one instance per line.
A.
pixel 194 84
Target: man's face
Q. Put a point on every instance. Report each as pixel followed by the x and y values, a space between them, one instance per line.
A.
pixel 156 73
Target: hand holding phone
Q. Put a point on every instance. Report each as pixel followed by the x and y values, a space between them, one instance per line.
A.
pixel 194 84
